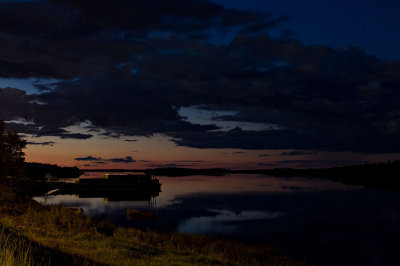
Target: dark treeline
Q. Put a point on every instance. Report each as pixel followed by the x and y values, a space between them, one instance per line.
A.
pixel 175 171
pixel 40 171
pixel 374 175
pixel 111 170
pixel 168 171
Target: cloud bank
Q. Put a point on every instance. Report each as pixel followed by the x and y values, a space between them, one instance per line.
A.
pixel 129 66
pixel 98 160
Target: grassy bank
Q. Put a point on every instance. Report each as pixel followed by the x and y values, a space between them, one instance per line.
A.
pixel 32 234
pixel 14 250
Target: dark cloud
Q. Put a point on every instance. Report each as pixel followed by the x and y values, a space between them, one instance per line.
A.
pixel 98 160
pixel 59 132
pixel 264 155
pixel 286 139
pixel 296 153
pixel 75 136
pixel 268 164
pixel 169 165
pixel 131 140
pixel 127 159
pixel 316 163
pixel 88 158
pixel 238 138
pixel 45 143
pixel 15 103
pixel 38 131
pixel 190 161
pixel 128 66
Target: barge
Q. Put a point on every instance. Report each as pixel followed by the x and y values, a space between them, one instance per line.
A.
pixel 114 186
pixel 139 180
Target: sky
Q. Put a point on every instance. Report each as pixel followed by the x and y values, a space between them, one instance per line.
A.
pixel 234 84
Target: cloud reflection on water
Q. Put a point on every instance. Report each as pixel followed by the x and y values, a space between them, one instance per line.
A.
pixel 224 222
pixel 92 206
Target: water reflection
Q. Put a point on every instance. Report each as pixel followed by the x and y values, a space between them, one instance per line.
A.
pixel 309 219
pixel 94 202
pixel 198 204
pixel 120 195
pixel 225 221
pixel 95 207
pixel 176 187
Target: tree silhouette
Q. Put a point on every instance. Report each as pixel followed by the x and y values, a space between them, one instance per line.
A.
pixel 11 152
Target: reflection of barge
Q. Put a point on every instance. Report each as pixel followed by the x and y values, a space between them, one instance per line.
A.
pixel 115 194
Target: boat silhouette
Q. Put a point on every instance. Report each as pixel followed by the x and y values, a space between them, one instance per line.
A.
pixel 115 187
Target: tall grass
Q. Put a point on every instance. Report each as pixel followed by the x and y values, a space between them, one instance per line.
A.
pixel 14 249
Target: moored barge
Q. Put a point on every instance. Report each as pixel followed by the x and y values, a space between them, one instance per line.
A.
pixel 144 181
pixel 112 185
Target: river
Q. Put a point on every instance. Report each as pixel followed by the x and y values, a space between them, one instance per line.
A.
pixel 315 220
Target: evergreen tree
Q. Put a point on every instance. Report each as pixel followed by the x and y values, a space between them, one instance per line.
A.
pixel 12 155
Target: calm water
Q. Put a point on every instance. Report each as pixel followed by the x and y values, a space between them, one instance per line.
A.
pixel 317 220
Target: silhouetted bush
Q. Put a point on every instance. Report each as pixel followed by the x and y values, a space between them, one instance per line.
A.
pixel 11 152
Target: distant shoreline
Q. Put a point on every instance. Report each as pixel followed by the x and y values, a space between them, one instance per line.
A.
pixel 372 175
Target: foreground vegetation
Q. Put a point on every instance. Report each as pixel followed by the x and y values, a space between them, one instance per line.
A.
pixel 32 234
